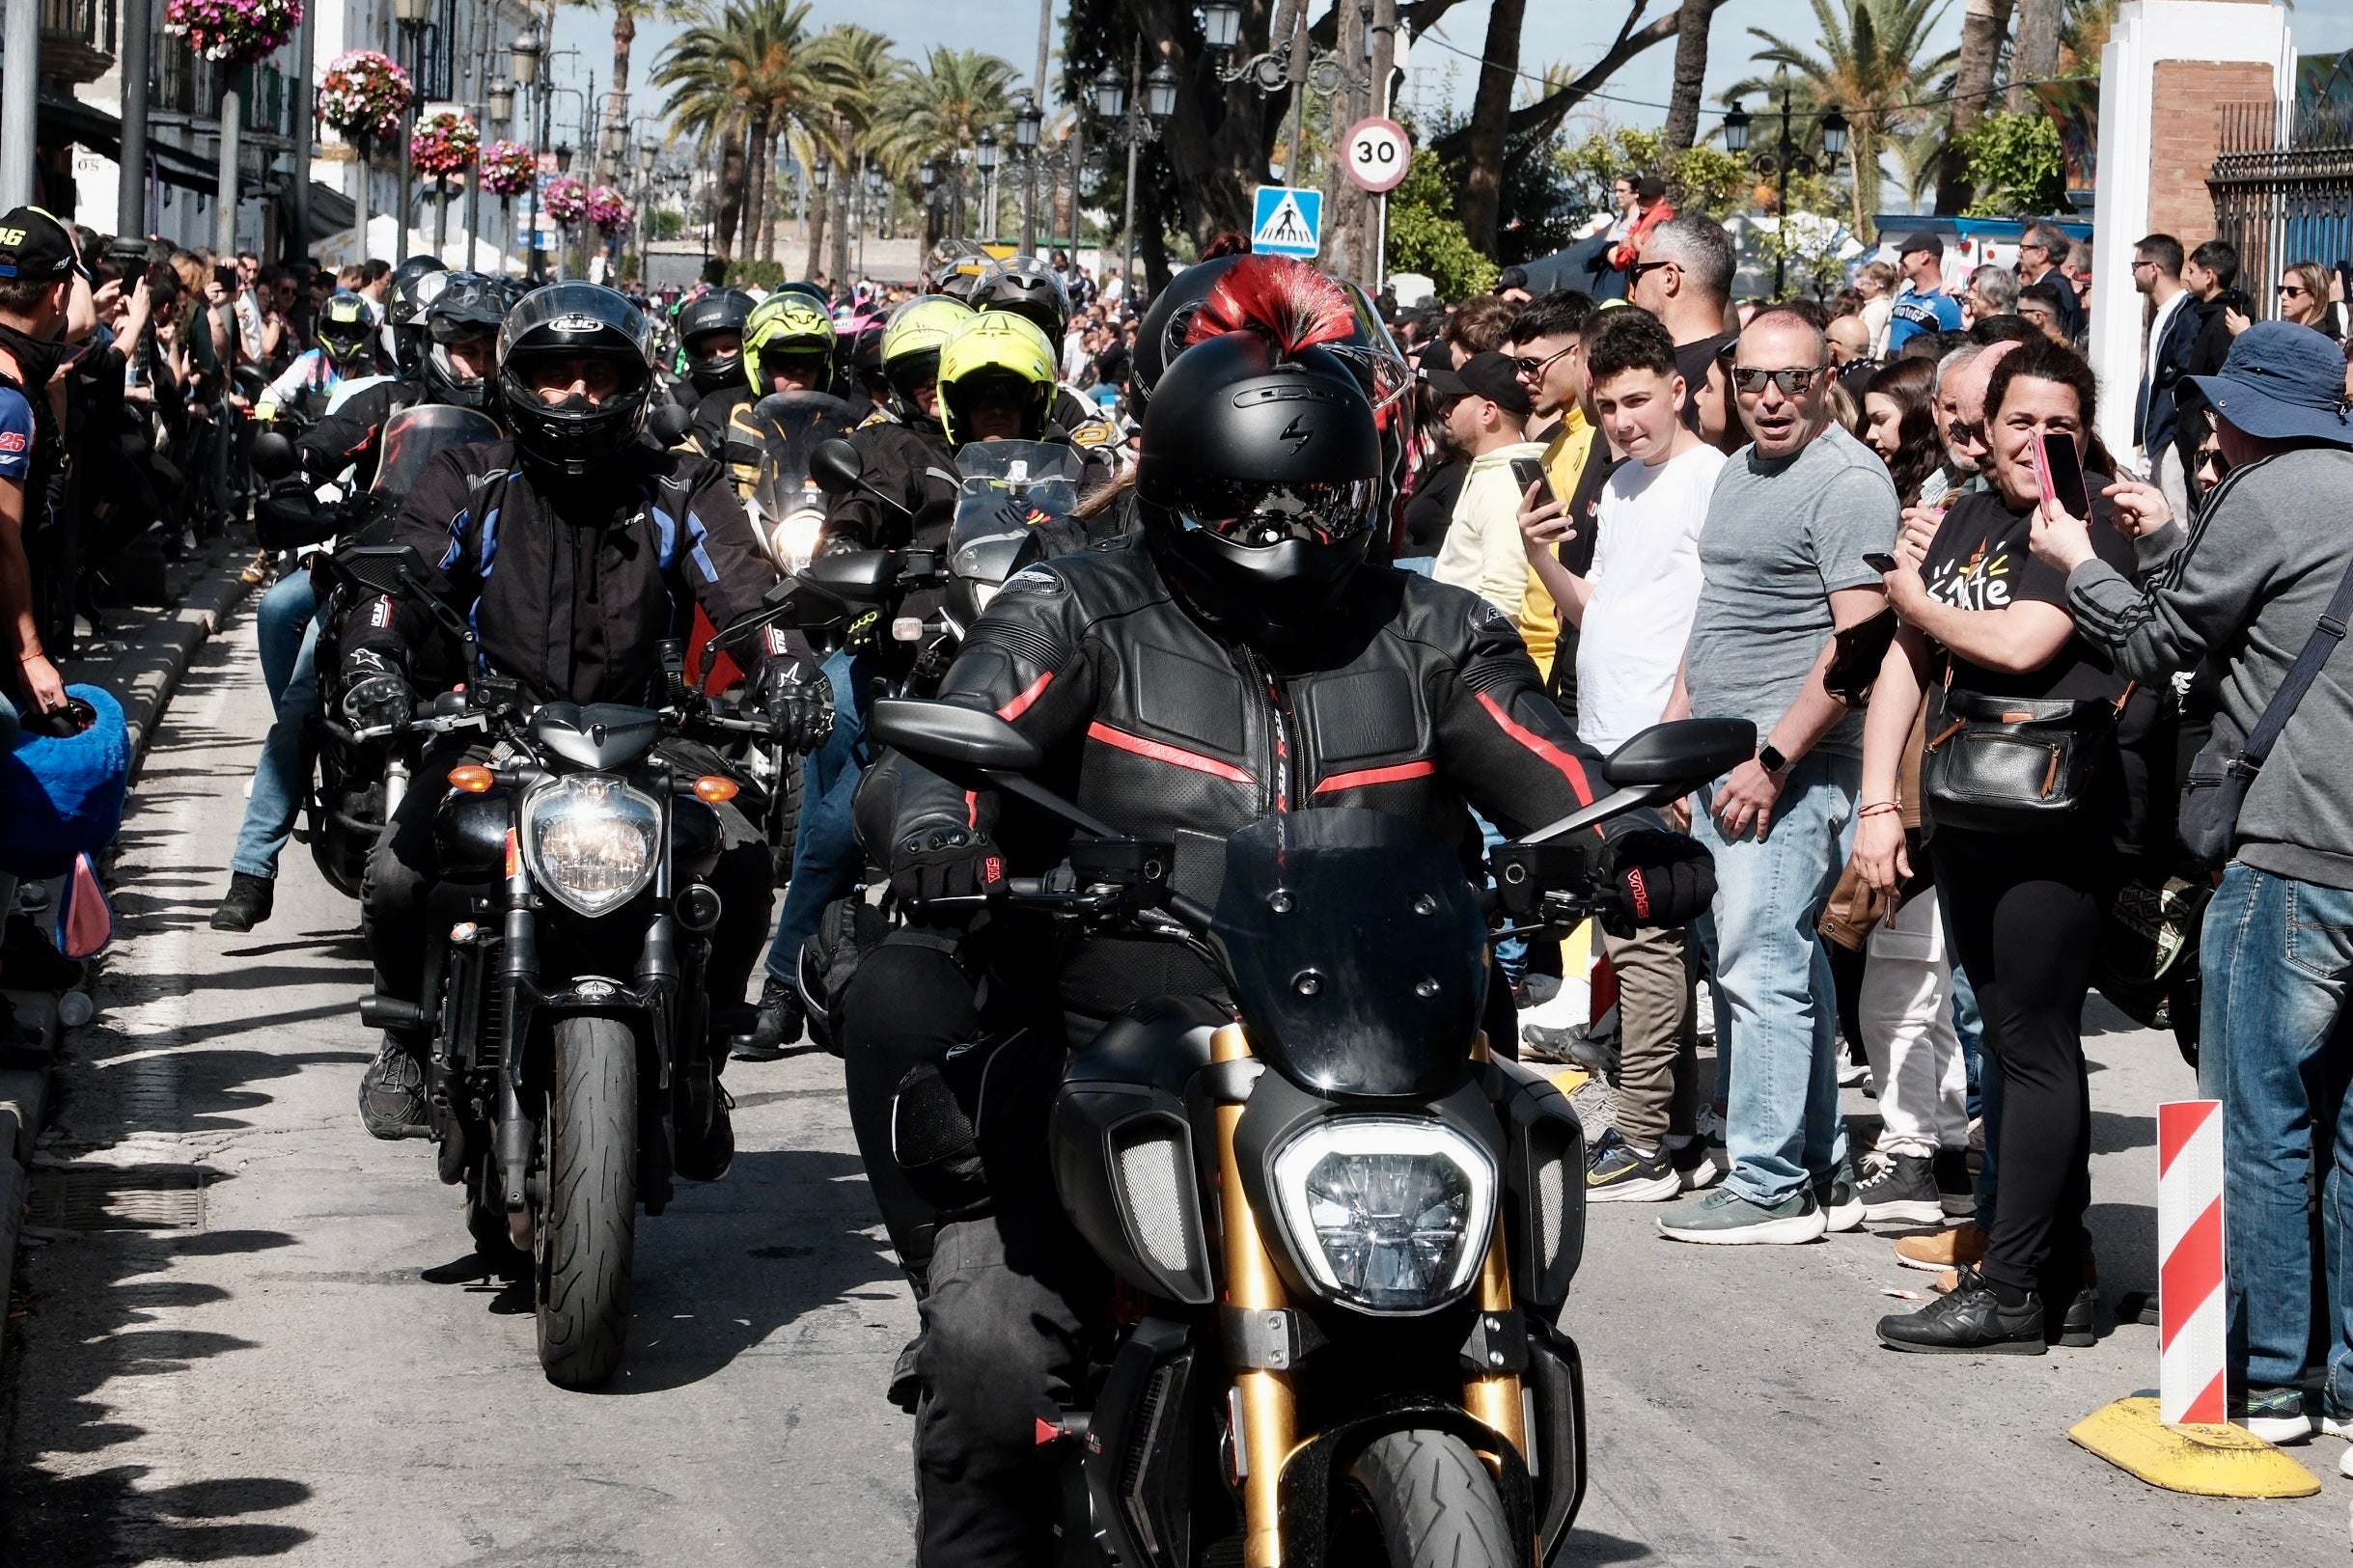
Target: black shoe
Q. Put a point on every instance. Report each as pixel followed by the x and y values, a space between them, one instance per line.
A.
pixel 780 1019
pixel 1900 1187
pixel 1956 1190
pixel 247 904
pixel 1969 1321
pixel 706 1158
pixel 29 961
pixel 1541 1044
pixel 392 1102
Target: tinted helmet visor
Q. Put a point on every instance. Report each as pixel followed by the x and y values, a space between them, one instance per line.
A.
pixel 1257 515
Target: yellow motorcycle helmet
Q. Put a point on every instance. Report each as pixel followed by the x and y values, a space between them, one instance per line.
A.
pixel 997 358
pixel 786 325
pixel 912 340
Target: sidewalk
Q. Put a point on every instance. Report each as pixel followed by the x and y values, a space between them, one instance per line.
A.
pixel 140 661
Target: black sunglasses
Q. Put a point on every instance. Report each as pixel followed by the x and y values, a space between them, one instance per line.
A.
pixel 1634 274
pixel 1793 382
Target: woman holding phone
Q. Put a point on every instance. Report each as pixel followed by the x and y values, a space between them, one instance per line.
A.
pixel 2023 907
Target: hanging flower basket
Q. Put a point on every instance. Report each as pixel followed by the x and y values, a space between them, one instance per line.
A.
pixel 236 31
pixel 568 200
pixel 444 145
pixel 607 210
pixel 364 94
pixel 506 168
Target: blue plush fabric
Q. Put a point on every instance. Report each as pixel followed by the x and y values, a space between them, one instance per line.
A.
pixel 61 798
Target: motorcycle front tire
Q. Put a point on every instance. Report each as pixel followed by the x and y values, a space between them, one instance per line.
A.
pixel 588 1230
pixel 1435 1503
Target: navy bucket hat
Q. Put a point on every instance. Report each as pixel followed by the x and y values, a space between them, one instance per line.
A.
pixel 2282 382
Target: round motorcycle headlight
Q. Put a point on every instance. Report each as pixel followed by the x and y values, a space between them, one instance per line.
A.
pixel 591 840
pixel 794 540
pixel 1389 1214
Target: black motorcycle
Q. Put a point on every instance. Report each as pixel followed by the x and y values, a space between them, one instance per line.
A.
pixel 1351 1226
pixel 564 977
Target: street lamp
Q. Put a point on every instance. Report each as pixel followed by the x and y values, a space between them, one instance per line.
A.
pixel 1026 125
pixel 1160 93
pixel 411 15
pixel 1221 24
pixel 1135 112
pixel 564 157
pixel 647 153
pixel 985 159
pixel 524 55
pixel 821 173
pixel 501 100
pixel 1785 157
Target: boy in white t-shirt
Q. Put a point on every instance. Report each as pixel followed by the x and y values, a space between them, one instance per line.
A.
pixel 1633 612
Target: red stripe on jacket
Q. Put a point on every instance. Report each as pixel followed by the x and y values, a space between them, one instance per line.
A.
pixel 1159 751
pixel 1020 704
pixel 1570 768
pixel 1395 773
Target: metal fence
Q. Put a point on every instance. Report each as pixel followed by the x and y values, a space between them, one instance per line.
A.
pixel 2282 189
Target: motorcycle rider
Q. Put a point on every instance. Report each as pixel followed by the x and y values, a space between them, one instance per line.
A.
pixel 458 367
pixel 1031 289
pixel 343 330
pixel 995 381
pixel 710 331
pixel 573 548
pixel 787 344
pixel 409 290
pixel 1240 659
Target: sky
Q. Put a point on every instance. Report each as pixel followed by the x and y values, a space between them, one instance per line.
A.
pixel 1571 31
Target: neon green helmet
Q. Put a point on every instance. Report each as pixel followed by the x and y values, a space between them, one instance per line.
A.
pixel 790 326
pixel 912 340
pixel 997 358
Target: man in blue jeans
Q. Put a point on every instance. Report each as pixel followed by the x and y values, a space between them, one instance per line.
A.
pixel 2245 591
pixel 1781 567
pixel 286 628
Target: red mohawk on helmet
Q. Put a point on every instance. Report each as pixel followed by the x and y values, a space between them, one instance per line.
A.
pixel 1287 301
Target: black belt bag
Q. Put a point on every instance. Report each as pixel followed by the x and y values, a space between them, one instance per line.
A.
pixel 2016 764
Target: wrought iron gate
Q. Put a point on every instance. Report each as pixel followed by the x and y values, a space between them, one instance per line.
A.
pixel 2282 189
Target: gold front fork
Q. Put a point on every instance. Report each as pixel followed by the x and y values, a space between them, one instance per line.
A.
pixel 1494 1397
pixel 1264 1435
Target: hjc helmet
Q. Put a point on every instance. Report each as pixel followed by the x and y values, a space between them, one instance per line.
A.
pixel 1168 326
pixel 911 344
pixel 1258 478
pixel 577 320
pixel 996 358
pixel 345 323
pixel 414 284
pixel 707 317
pixel 469 305
pixel 1028 288
pixel 788 326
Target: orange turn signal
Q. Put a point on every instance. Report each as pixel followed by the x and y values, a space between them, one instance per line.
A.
pixel 716 790
pixel 472 778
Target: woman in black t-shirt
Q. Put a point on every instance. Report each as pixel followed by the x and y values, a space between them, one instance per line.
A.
pixel 2024 912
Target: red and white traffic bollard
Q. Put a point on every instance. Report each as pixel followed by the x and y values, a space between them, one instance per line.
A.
pixel 2191 1383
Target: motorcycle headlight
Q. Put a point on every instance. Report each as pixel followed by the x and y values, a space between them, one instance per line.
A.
pixel 794 538
pixel 591 840
pixel 1389 1214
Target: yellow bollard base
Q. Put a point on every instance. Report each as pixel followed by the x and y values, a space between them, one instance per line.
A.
pixel 2204 1461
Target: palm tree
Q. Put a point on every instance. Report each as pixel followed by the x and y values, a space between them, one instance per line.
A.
pixel 1874 66
pixel 1984 29
pixel 941 108
pixel 705 73
pixel 852 74
pixel 740 78
pixel 626 15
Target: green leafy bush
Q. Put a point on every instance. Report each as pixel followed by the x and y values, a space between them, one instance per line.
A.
pixel 2017 165
pixel 1425 236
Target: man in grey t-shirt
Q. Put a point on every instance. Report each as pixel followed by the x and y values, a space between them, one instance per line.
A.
pixel 1781 561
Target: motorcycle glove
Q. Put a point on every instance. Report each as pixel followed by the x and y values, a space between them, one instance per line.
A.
pixel 1655 879
pixel 799 708
pixel 377 693
pixel 946 862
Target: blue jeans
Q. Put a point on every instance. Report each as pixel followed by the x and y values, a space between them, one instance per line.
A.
pixel 2274 959
pixel 287 629
pixel 826 856
pixel 1511 952
pixel 1777 1008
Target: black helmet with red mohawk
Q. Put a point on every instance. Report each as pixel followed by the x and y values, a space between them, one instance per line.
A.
pixel 1259 476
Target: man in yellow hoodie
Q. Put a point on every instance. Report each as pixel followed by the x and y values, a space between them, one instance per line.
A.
pixel 1546 348
pixel 1485 409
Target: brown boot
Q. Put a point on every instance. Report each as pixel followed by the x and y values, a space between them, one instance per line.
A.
pixel 1961 1247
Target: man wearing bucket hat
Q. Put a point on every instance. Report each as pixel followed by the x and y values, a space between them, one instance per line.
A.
pixel 2268 561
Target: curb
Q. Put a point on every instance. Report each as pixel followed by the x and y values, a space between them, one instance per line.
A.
pixel 143 678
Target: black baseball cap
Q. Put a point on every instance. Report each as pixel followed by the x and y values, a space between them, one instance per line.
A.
pixel 1922 239
pixel 1491 376
pixel 35 247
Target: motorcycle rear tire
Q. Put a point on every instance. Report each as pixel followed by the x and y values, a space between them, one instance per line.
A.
pixel 1435 1503
pixel 588 1232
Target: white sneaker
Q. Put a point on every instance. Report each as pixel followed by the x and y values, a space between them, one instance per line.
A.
pixel 2345 1463
pixel 1852 1074
pixel 2338 1426
pixel 1703 1010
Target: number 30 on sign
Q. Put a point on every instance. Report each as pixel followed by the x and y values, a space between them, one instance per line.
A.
pixel 1378 154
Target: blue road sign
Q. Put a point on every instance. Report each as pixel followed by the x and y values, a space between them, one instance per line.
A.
pixel 1288 222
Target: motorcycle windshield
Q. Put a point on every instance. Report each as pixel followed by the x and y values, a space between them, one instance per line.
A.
pixel 1007 488
pixel 1358 952
pixel 416 435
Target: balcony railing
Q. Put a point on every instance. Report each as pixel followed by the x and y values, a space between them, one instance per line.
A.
pixel 77 38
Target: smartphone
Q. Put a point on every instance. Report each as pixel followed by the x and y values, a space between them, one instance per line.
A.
pixel 2060 471
pixel 1879 560
pixel 1527 471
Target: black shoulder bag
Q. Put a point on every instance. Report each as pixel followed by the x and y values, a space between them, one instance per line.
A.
pixel 2226 770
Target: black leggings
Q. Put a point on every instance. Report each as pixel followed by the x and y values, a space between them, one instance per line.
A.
pixel 2025 921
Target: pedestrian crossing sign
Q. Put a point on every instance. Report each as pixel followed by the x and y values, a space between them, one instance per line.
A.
pixel 1288 222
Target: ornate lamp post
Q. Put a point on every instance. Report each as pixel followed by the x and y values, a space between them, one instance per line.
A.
pixel 523 60
pixel 411 15
pixel 985 159
pixel 1787 156
pixel 1028 120
pixel 1293 62
pixel 1134 112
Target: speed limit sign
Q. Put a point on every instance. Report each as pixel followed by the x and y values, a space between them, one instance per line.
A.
pixel 1378 154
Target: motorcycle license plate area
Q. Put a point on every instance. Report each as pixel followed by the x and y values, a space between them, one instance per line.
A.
pixel 1358 951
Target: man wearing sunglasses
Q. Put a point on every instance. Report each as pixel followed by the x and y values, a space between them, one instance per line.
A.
pixel 1685 279
pixel 1781 561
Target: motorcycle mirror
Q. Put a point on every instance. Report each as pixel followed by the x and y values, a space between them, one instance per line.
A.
pixel 946 735
pixel 856 574
pixel 1681 757
pixel 835 466
pixel 394 569
pixel 273 456
pixel 670 423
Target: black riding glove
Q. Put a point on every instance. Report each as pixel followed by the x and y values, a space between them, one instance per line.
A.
pixel 375 691
pixel 1655 879
pixel 946 862
pixel 799 707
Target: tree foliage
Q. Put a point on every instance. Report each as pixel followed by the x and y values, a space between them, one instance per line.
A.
pixel 1702 179
pixel 1425 237
pixel 2017 165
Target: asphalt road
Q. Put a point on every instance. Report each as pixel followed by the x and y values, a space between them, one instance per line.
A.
pixel 295 1377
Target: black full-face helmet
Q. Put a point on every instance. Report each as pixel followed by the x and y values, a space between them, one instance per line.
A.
pixel 1259 484
pixel 469 305
pixel 570 322
pixel 1028 288
pixel 703 322
pixel 414 286
pixel 1168 326
pixel 342 329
